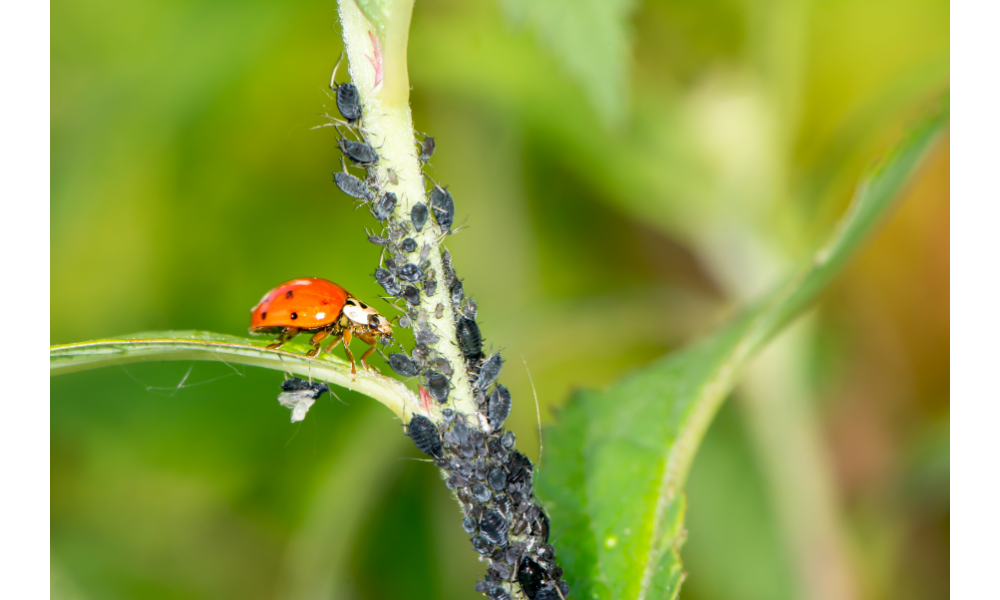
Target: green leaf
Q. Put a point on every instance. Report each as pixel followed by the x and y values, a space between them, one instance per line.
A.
pixel 591 39
pixel 202 345
pixel 617 461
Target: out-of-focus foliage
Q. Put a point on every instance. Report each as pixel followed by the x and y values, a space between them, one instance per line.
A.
pixel 186 182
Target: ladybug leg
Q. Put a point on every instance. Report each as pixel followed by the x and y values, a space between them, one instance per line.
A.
pixel 286 334
pixel 333 344
pixel 347 349
pixel 366 365
pixel 317 340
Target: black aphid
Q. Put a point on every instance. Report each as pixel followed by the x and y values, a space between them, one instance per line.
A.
pixel 494 527
pixel 508 440
pixel 410 272
pixel 437 385
pixel 409 245
pixel 412 295
pixel 351 185
pixel 547 594
pixel 378 240
pixel 498 593
pixel 470 341
pixel 498 479
pixel 425 435
pixel 421 350
pixel 519 468
pixel 489 372
pixel 430 286
pixel 444 366
pixel 360 153
pixel 424 336
pixel 295 384
pixel 402 364
pixel 388 282
pixel 471 309
pixel 384 207
pixel 404 322
pixel 444 207
pixel 499 408
pixel 418 215
pixel 467 450
pixel 457 292
pixel 480 545
pixel 530 575
pixel 469 525
pixel 481 492
pixel 348 99
pixel 427 148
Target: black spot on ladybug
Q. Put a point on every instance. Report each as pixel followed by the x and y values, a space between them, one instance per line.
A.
pixel 363 305
pixel 489 372
pixel 425 435
pixel 412 295
pixel 402 365
pixel 470 340
pixel 294 316
pixel 409 245
pixel 263 315
pixel 437 385
pixel 351 185
pixel 499 407
pixel 494 527
pixel 418 215
pixel 410 272
pixel 444 207
pixel 530 575
pixel 289 294
pixel 359 152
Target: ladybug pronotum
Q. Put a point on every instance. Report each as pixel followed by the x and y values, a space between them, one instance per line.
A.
pixel 324 309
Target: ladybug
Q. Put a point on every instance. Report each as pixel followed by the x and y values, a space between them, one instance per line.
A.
pixel 323 308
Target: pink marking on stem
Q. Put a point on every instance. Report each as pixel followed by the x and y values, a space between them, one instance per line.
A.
pixel 425 399
pixel 377 60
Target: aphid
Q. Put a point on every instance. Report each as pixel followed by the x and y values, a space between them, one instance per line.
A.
pixel 437 385
pixel 471 309
pixel 412 295
pixel 444 207
pixel 489 372
pixel 457 480
pixel 439 311
pixel 427 148
pixel 389 283
pixel 469 525
pixel 563 587
pixel 444 366
pixel 498 593
pixel 360 153
pixel 418 215
pixel 421 350
pixel 348 98
pixel 299 395
pixel 430 286
pixel 480 545
pixel 448 415
pixel 513 553
pixel 384 207
pixel 481 493
pixel 351 185
pixel 499 407
pixel 461 432
pixel 519 468
pixel 409 245
pixel 467 450
pixel 508 440
pixel 498 479
pixel 410 272
pixel 547 594
pixel 426 337
pixel 322 308
pixel 378 240
pixel 390 175
pixel 404 322
pixel 494 527
pixel 446 267
pixel 457 292
pixel 424 435
pixel 425 252
pixel 402 364
pixel 530 575
pixel 470 341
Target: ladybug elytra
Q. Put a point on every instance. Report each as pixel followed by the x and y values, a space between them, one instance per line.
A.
pixel 322 308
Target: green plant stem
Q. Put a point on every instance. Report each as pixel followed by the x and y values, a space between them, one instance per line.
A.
pixel 388 126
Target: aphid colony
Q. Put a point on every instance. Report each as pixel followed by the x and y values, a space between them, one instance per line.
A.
pixel 491 479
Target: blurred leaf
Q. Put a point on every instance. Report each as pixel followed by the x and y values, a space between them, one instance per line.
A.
pixel 591 39
pixel 201 345
pixel 617 462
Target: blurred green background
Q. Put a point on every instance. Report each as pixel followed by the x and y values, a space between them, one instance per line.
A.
pixel 628 172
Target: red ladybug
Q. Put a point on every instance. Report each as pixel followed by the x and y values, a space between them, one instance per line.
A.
pixel 321 307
